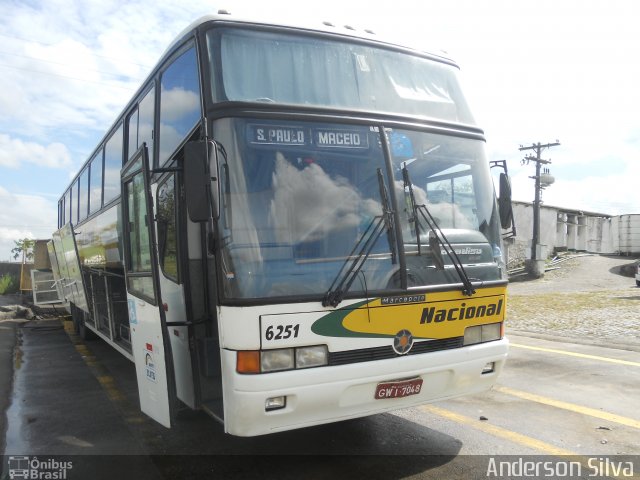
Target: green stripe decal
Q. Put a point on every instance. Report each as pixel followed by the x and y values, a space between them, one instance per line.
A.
pixel 332 324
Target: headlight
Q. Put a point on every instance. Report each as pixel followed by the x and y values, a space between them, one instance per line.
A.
pixel 307 357
pixel 275 360
pixel 278 360
pixel 472 335
pixel 491 332
pixel 482 333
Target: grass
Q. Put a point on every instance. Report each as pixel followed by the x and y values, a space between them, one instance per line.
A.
pixel 8 284
pixel 613 312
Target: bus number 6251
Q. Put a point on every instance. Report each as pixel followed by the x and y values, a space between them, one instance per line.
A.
pixel 281 332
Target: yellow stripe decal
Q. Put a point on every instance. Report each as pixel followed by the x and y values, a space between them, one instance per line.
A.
pixel 579 355
pixel 592 412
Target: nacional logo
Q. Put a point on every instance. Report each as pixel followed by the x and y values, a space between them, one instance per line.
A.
pixel 402 342
pixel 463 312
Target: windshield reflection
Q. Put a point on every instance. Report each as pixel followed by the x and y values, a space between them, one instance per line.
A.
pixel 323 205
pixel 300 198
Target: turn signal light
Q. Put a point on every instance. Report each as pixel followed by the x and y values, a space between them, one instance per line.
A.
pixel 248 361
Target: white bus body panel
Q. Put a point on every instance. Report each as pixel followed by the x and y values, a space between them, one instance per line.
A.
pixel 339 392
pixel 148 354
pixel 329 394
pixel 173 298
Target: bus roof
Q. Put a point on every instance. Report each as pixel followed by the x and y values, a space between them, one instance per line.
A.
pixel 223 16
pixel 325 26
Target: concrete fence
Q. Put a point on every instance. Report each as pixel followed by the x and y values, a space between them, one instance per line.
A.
pixel 564 229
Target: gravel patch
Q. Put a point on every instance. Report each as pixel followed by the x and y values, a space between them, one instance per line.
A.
pixel 585 298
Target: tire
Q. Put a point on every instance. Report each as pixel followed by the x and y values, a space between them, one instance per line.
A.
pixel 80 328
pixel 637 283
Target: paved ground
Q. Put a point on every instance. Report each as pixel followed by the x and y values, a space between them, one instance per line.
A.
pixel 569 388
pixel 7 342
pixel 585 299
pixel 553 398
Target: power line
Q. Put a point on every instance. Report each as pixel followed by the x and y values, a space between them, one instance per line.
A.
pixel 68 65
pixel 30 40
pixel 68 76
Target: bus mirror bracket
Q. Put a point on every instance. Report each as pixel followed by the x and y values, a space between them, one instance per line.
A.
pixel 201 180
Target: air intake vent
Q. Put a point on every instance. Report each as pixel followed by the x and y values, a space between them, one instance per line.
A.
pixel 385 353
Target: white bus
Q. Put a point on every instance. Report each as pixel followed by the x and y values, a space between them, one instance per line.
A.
pixel 289 226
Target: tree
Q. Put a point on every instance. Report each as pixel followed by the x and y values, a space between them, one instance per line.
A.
pixel 23 247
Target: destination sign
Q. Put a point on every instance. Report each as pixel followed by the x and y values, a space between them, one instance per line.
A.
pixel 276 135
pixel 336 138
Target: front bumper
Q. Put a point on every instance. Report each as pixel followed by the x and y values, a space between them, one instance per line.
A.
pixel 329 394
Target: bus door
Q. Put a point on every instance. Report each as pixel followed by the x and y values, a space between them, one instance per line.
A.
pixel 200 160
pixel 149 339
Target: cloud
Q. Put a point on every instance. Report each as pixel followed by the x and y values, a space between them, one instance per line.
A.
pixel 30 216
pixel 315 204
pixel 611 194
pixel 15 152
pixel 76 65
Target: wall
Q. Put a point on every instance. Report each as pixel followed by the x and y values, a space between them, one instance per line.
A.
pixel 10 268
pixel 629 234
pixel 565 229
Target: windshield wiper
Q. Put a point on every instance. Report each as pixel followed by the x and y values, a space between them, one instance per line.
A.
pixel 352 265
pixel 436 237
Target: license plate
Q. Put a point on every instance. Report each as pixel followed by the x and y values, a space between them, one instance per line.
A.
pixel 403 388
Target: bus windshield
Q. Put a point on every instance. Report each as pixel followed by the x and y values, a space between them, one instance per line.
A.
pixel 299 196
pixel 304 70
pixel 443 182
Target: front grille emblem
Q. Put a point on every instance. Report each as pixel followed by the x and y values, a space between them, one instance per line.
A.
pixel 402 342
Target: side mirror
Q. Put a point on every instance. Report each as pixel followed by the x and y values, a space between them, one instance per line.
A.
pixel 201 180
pixel 505 207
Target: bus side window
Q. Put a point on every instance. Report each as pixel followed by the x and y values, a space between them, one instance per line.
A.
pixel 61 212
pixel 140 125
pixel 179 103
pixel 95 187
pixel 83 201
pixel 167 232
pixel 76 206
pixel 132 128
pixel 70 204
pixel 146 112
pixel 112 165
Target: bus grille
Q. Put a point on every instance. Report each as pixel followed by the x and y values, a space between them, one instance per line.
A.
pixel 384 353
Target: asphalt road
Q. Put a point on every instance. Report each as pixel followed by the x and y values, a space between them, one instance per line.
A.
pixel 554 398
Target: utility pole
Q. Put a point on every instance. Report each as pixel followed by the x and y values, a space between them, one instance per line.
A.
pixel 535 268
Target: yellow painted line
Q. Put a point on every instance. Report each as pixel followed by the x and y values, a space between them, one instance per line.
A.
pixel 579 355
pixel 592 412
pixel 500 432
pixel 68 327
pixel 106 381
pixel 109 384
pixel 529 442
pixel 83 350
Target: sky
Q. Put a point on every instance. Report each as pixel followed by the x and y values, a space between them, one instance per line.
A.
pixel 533 70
